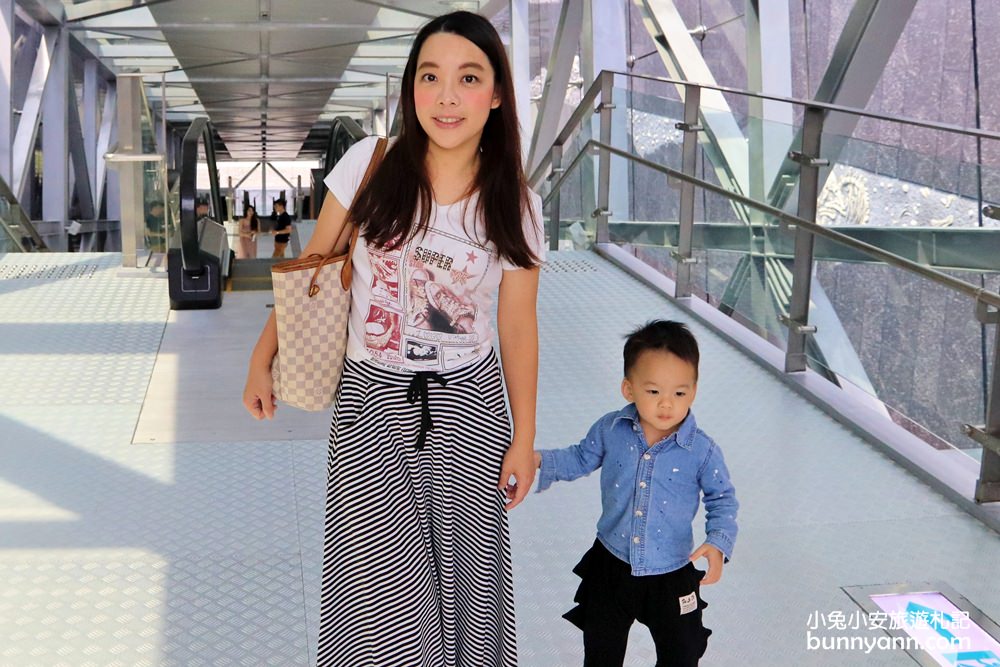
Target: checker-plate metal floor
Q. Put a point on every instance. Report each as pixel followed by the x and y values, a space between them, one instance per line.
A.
pixel 207 552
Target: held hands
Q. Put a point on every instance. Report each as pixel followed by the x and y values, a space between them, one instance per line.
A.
pixel 257 396
pixel 715 561
pixel 519 463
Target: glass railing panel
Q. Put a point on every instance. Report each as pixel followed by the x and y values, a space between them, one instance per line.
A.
pixel 651 231
pixel 736 270
pixel 913 205
pixel 908 343
pixel 645 209
pixel 9 242
pixel 651 122
pixel 155 201
pixel 576 190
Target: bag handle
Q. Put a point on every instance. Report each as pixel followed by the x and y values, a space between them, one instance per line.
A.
pixel 346 271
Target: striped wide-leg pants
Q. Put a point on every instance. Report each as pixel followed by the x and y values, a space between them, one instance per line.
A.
pixel 416 555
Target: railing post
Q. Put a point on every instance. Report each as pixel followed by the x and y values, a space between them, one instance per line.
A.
pixel 689 157
pixel 988 484
pixel 604 157
pixel 554 214
pixel 798 310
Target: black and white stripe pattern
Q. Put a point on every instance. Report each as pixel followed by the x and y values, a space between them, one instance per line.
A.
pixel 416 556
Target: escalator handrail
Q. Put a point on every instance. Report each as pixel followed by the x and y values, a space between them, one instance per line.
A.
pixel 199 130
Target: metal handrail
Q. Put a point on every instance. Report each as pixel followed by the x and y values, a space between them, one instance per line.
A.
pixel 980 294
pixel 344 132
pixel 825 106
pixel 582 110
pixel 21 220
pixel 199 130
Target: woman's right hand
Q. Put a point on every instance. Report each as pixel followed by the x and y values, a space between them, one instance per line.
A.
pixel 257 396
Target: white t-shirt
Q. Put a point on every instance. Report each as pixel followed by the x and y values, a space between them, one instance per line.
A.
pixel 426 305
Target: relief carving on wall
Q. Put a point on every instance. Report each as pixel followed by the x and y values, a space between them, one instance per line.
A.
pixel 844 201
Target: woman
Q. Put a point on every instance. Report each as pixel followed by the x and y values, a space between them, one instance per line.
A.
pixel 416 563
pixel 249 225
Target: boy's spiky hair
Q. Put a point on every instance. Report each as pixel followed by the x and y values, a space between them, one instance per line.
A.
pixel 665 335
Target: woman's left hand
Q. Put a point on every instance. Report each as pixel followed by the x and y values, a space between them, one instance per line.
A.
pixel 519 463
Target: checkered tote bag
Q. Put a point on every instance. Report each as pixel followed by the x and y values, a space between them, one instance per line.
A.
pixel 312 304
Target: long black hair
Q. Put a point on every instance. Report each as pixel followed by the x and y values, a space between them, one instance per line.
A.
pixel 254 220
pixel 386 209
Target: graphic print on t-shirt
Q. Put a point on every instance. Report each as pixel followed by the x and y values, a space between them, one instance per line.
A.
pixel 385 276
pixel 434 309
pixel 382 333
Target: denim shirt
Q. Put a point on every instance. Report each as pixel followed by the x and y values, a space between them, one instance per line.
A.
pixel 650 494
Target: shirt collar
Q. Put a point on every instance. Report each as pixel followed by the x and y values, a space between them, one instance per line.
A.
pixel 684 435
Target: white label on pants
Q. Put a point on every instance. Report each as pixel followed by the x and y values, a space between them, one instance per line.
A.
pixel 688 603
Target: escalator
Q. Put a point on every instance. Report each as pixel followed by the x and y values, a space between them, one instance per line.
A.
pixel 198 257
pixel 255 274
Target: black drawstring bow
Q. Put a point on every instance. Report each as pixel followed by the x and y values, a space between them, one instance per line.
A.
pixel 417 391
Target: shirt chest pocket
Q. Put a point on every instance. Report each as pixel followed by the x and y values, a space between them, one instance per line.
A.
pixel 682 474
pixel 677 483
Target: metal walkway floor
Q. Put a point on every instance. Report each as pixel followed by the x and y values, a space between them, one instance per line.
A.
pixel 146 520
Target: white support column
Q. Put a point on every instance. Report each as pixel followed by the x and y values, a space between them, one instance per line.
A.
pixel 6 88
pixel 130 191
pixel 55 136
pixel 520 59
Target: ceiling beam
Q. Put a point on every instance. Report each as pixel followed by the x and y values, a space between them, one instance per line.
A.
pixel 258 79
pixel 241 25
pixel 78 11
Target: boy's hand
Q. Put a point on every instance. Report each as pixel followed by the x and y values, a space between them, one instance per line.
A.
pixel 715 561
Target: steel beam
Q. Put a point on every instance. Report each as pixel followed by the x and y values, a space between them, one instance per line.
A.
pixel 23 148
pixel 864 47
pixel 55 135
pixel 229 26
pixel 770 124
pixel 91 119
pixel 108 128
pixel 723 141
pixel 564 48
pixel 6 88
pixel 78 158
pixel 975 249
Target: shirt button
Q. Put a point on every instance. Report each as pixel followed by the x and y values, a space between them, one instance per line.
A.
pixel 636 540
pixel 646 456
pixel 642 485
pixel 638 512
